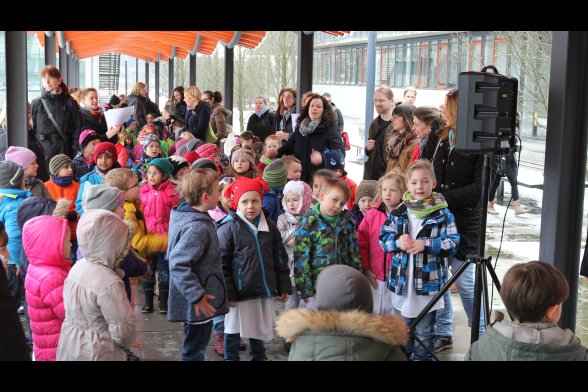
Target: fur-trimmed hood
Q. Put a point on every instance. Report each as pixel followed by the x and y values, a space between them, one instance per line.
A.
pixel 385 328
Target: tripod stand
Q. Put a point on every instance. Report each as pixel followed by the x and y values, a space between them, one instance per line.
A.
pixel 482 263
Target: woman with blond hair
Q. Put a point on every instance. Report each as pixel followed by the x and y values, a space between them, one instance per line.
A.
pixel 198 118
pixel 138 99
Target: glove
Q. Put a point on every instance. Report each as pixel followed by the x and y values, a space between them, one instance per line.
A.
pixel 72 216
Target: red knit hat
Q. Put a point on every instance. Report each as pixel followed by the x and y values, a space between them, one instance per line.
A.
pixel 191 157
pixel 244 184
pixel 207 150
pixel 105 147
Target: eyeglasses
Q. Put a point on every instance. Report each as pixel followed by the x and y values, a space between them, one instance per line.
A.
pixel 132 186
pixel 226 180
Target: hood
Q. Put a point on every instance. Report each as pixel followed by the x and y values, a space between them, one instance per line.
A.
pixel 103 237
pixel 32 207
pixel 185 214
pixel 42 240
pixel 340 287
pixel 385 328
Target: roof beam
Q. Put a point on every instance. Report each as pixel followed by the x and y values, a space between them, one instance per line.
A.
pixel 61 39
pixel 197 45
pixel 231 44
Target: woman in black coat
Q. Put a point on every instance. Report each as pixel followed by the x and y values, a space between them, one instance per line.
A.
pixel 316 131
pixel 198 118
pixel 93 116
pixel 262 122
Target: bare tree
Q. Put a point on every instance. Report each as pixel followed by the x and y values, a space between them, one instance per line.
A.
pixel 279 48
pixel 241 82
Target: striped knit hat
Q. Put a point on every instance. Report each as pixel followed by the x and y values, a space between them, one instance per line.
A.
pixel 276 174
pixel 366 188
pixel 57 163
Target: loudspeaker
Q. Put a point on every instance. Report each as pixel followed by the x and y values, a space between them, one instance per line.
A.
pixel 486 112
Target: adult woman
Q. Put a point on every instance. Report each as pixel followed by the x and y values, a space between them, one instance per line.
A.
pixel 287 106
pixel 425 120
pixel 262 122
pixel 218 117
pixel 402 142
pixel 93 116
pixel 179 104
pixel 316 130
pixel 198 118
pixel 380 131
pixel 64 110
pixel 459 179
pixel 138 99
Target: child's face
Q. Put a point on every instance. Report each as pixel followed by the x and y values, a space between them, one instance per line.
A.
pixel 128 139
pixel 104 162
pixel 420 184
pixel 65 171
pixel 182 172
pixel 338 173
pixel 272 145
pixel 216 158
pixel 153 149
pixel 155 176
pixel 90 147
pixel 316 186
pixel 241 165
pixel 294 171
pixel 245 143
pixel 31 170
pixel 391 194
pixel 366 203
pixel 133 126
pixel 332 203
pixel 226 202
pixel 132 190
pixel 250 205
pixel 293 202
pixel 67 244
pixel 213 197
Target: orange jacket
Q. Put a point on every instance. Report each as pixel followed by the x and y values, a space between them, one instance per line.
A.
pixel 70 192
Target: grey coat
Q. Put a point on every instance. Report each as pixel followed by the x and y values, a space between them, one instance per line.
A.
pixel 194 265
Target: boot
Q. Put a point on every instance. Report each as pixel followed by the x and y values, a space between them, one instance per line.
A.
pixel 491 209
pixel 219 344
pixel 519 209
pixel 148 308
pixel 163 291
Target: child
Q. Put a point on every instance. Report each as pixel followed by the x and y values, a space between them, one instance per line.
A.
pixel 297 200
pixel 257 149
pixel 151 150
pixel 374 261
pixel 242 164
pixel 255 266
pixel 104 156
pixel 343 328
pixel 276 175
pixel 99 321
pixel 533 294
pixel 294 167
pixel 318 177
pixel 46 241
pixel 181 167
pixel 247 139
pixel 197 287
pixel 324 236
pixel 158 199
pixel 84 163
pixel 62 185
pixel 222 209
pixel 335 161
pixel 210 151
pixel 365 196
pixel 28 161
pixel 420 228
pixel 272 143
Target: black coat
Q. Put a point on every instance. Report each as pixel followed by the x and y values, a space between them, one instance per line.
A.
pixel 140 104
pixel 66 113
pixel 459 179
pixel 197 120
pixel 301 146
pixel 262 126
pixel 91 122
pixel 12 339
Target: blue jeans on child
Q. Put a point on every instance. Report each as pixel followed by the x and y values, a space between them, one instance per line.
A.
pixel 425 331
pixel 160 265
pixel 465 288
pixel 256 348
pixel 196 338
pixel 218 324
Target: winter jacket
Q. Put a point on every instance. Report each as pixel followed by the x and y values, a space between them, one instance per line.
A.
pixel 99 320
pixel 262 126
pixel 12 339
pixel 35 146
pixel 279 124
pixel 11 200
pixel 272 203
pixel 43 238
pixel 94 178
pixel 368 233
pixel 441 238
pixel 375 167
pixel 459 180
pixel 402 161
pixel 66 112
pixel 145 244
pixel 352 188
pixel 140 104
pixel 339 115
pixel 80 167
pixel 287 223
pixel 255 265
pixel 180 111
pixel 197 120
pixel 157 204
pixel 318 244
pixel 301 146
pixel 218 121
pixel 342 336
pixel 98 125
pixel 217 214
pixel 37 188
pixel 194 265
pixel 69 192
pixel 510 341
pixel 122 156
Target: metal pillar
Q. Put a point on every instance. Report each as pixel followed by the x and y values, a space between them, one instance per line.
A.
pixel 229 82
pixel 156 98
pixel 565 162
pixel 305 53
pixel 16 88
pixel 147 72
pixel 170 87
pixel 136 70
pixel 62 56
pixel 370 84
pixel 126 76
pixel 192 70
pixel 50 56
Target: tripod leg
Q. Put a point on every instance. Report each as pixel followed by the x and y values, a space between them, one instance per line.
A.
pixel 477 301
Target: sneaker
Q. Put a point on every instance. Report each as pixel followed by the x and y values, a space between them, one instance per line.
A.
pixel 491 209
pixel 219 344
pixel 242 345
pixel 443 343
pixel 163 310
pixel 147 309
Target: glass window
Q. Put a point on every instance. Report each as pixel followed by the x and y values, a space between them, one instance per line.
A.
pixel 501 56
pixel 423 66
pixel 413 64
pixel 442 66
pixel 432 72
pixel 475 56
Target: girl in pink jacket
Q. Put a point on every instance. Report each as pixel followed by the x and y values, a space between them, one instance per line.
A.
pixel 376 263
pixel 46 241
pixel 158 198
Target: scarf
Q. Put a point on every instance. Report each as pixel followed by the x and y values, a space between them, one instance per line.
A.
pixel 95 113
pixel 451 139
pixel 286 113
pixel 423 208
pixel 331 220
pixel 261 112
pixel 397 142
pixel 29 182
pixel 62 181
pixel 307 127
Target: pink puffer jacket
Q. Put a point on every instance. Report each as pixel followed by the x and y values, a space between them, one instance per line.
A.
pixel 368 233
pixel 157 205
pixel 42 239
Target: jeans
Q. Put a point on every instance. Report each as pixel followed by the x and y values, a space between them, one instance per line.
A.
pixel 218 324
pixel 160 265
pixel 465 288
pixel 256 348
pixel 196 338
pixel 425 331
pixel 293 299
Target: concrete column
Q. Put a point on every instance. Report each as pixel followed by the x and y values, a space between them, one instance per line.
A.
pixel 229 82
pixel 370 84
pixel 50 55
pixel 16 88
pixel 305 53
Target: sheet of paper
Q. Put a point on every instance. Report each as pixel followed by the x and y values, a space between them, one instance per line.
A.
pixel 118 116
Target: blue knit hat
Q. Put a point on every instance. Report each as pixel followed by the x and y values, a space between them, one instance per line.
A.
pixel 164 165
pixel 334 159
